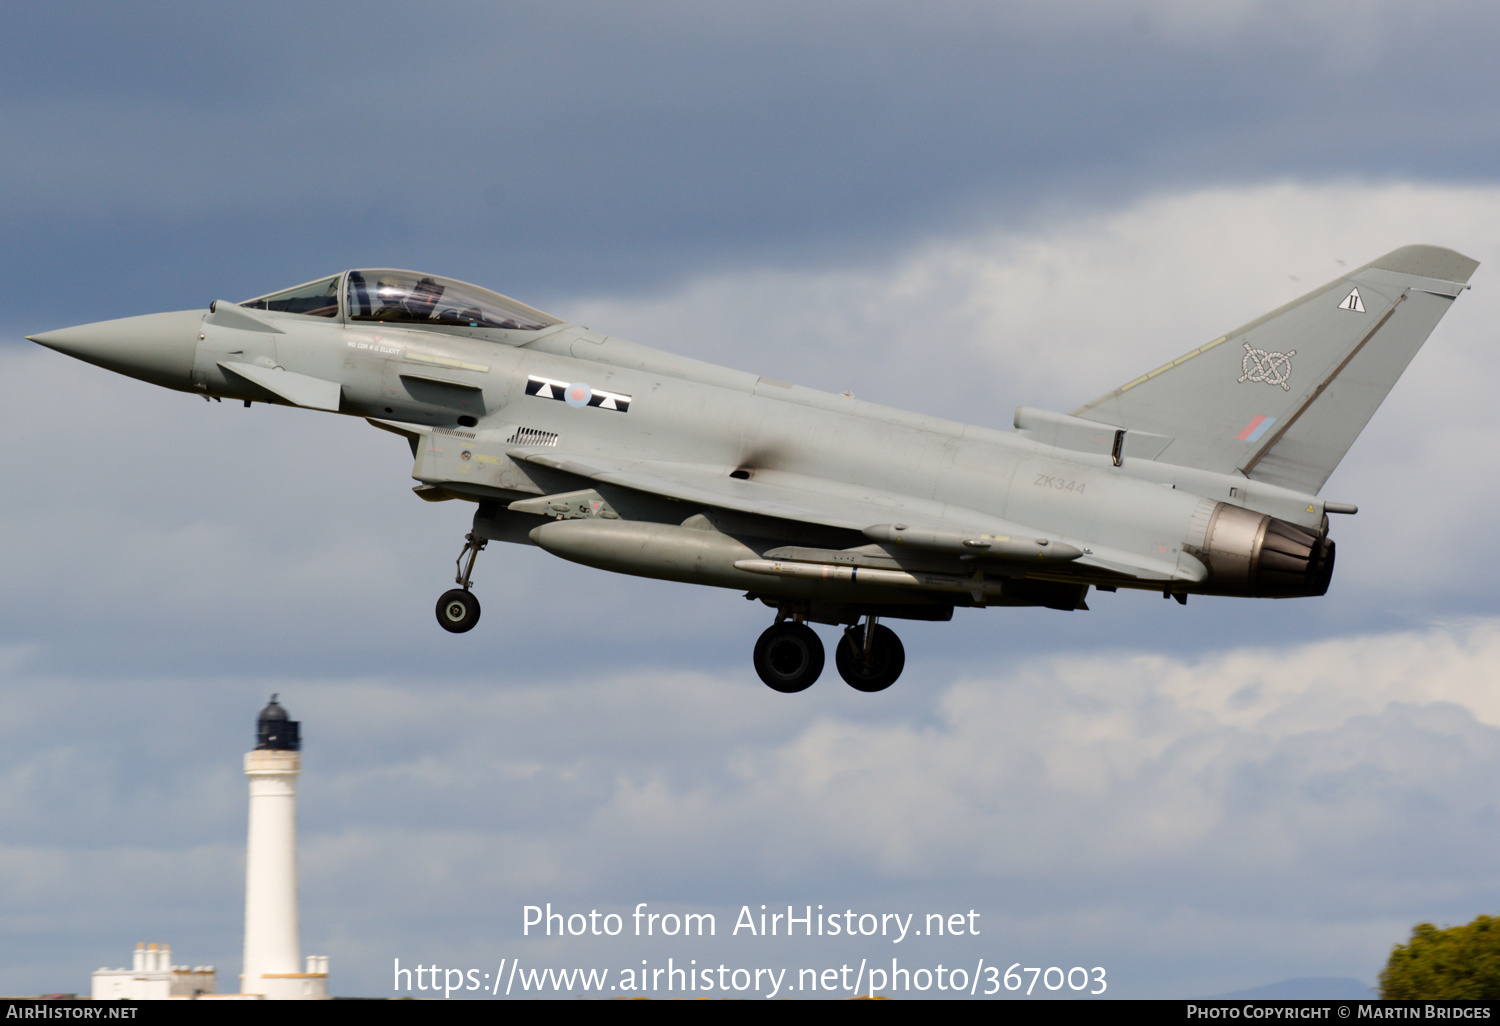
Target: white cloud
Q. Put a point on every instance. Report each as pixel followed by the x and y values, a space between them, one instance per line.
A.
pixel 1071 308
pixel 1166 816
pixel 1052 316
pixel 1333 781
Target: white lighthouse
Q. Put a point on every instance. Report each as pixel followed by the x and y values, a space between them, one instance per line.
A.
pixel 273 963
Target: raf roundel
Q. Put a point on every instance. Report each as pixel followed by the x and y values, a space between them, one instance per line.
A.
pixel 579 394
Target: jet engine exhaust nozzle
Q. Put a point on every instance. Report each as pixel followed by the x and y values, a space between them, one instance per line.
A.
pixel 1252 554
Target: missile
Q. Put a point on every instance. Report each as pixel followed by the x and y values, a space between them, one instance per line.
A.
pixel 975 584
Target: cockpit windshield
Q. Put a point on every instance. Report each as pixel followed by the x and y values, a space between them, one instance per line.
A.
pixel 407 297
pixel 317 299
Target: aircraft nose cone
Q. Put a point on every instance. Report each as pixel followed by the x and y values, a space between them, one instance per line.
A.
pixel 158 348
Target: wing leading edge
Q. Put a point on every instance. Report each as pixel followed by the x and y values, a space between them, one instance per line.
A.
pixel 1282 398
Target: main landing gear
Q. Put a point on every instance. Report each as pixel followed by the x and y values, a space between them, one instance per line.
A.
pixel 458 609
pixel 870 658
pixel 789 657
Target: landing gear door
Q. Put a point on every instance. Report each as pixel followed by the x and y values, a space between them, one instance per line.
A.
pixel 469 465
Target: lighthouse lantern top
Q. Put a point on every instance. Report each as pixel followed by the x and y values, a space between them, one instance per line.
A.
pixel 274 731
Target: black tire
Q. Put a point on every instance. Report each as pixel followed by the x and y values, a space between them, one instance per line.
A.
pixel 457 611
pixel 887 659
pixel 789 657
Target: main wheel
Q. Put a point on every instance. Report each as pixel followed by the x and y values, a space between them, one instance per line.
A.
pixel 457 611
pixel 887 659
pixel 788 657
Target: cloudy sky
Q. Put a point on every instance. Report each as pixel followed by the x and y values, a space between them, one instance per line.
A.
pixel 957 208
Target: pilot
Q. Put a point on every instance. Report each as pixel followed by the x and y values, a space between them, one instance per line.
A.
pixel 424 297
pixel 391 300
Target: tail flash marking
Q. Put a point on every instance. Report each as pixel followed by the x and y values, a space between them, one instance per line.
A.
pixel 1258 426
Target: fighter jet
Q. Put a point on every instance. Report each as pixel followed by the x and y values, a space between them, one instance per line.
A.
pixel 1198 477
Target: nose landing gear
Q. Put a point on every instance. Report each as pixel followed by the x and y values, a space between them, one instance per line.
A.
pixel 458 609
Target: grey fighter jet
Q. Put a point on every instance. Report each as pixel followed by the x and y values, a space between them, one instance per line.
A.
pixel 1198 477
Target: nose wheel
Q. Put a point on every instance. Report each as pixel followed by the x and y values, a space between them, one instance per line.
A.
pixel 458 609
pixel 789 657
pixel 870 658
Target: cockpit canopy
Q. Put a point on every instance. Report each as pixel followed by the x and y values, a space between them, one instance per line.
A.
pixel 405 297
pixel 423 298
pixel 316 299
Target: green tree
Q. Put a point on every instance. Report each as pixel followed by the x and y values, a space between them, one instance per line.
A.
pixel 1461 962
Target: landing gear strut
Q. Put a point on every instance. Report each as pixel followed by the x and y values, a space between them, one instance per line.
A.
pixel 789 657
pixel 870 658
pixel 458 609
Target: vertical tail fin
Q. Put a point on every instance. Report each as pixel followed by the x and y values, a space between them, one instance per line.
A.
pixel 1282 398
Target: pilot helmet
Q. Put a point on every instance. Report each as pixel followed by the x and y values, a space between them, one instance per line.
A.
pixel 390 292
pixel 424 296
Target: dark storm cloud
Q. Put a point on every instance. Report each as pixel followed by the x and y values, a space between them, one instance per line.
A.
pixel 552 148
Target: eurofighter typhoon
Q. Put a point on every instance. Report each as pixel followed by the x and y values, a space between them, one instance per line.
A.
pixel 1198 477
